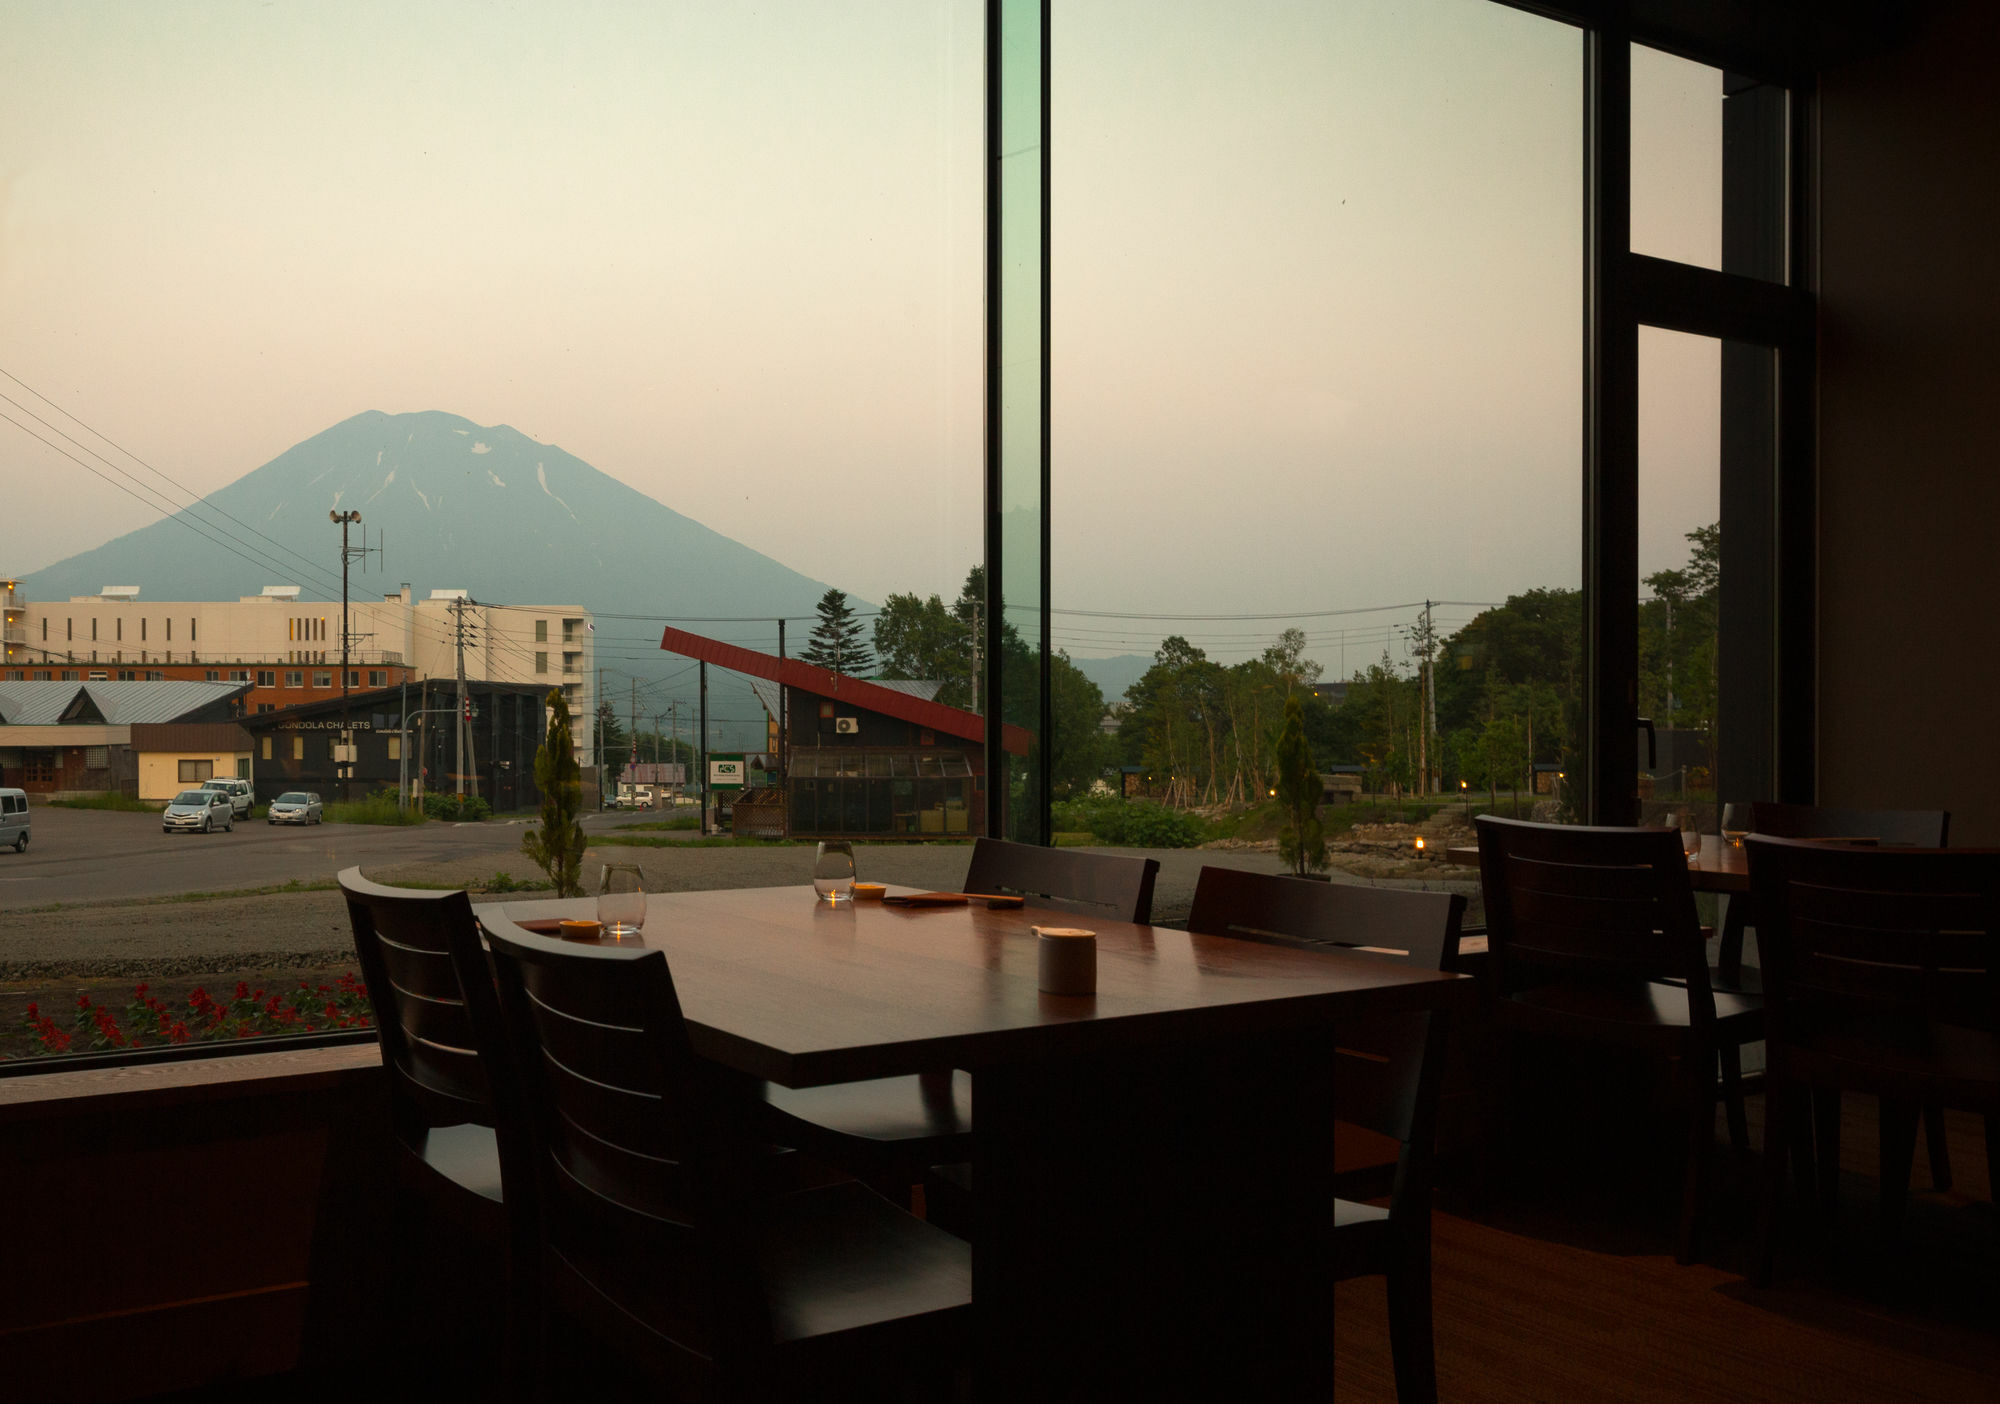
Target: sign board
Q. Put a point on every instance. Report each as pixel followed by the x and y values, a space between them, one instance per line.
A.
pixel 725 770
pixel 657 773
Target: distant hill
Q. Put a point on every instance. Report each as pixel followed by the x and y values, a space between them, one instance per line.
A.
pixel 482 507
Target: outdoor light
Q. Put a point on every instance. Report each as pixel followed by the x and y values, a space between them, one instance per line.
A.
pixel 1420 843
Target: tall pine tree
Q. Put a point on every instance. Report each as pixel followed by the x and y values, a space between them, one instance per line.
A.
pixel 836 640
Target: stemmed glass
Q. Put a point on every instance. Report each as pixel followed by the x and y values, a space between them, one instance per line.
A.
pixel 1690 836
pixel 1735 823
pixel 621 900
pixel 833 870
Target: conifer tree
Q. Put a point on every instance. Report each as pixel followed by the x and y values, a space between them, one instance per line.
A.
pixel 557 846
pixel 1302 843
pixel 836 640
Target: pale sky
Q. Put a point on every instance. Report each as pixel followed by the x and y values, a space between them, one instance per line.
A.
pixel 1317 290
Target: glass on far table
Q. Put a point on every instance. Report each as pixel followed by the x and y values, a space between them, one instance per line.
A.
pixel 1735 823
pixel 833 871
pixel 1690 836
pixel 621 900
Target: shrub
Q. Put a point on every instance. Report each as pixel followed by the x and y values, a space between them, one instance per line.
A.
pixel 378 808
pixel 1117 823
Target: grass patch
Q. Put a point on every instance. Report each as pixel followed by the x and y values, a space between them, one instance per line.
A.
pixel 679 822
pixel 376 809
pixel 1073 839
pixel 124 804
pixel 714 841
pixel 316 885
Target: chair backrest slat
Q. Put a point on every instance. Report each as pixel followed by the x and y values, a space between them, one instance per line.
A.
pixel 1566 898
pixel 1847 933
pixel 1104 885
pixel 1380 1064
pixel 639 1145
pixel 403 941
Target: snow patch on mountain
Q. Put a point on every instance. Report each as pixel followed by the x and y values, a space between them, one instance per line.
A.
pixel 542 477
pixel 420 492
pixel 478 447
pixel 495 477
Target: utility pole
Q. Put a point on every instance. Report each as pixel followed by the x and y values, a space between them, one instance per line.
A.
pixel 345 769
pixel 597 737
pixel 403 744
pixel 458 641
pixel 703 748
pixel 784 731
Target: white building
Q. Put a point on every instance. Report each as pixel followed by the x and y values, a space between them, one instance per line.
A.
pixel 289 648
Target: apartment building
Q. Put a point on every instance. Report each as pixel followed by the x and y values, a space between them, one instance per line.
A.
pixel 288 648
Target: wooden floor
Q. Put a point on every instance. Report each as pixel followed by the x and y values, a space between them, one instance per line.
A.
pixel 1564 1288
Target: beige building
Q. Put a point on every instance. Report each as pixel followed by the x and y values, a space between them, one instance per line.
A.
pixel 287 647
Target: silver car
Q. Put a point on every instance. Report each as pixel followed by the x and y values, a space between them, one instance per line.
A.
pixel 295 807
pixel 199 810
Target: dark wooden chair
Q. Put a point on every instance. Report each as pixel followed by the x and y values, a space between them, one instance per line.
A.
pixel 660 1227
pixel 1881 975
pixel 1903 828
pixel 1106 885
pixel 1593 936
pixel 441 1109
pixel 891 1130
pixel 1387 1075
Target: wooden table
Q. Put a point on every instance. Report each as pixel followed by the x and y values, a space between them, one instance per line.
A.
pixel 1719 869
pixel 1151 1183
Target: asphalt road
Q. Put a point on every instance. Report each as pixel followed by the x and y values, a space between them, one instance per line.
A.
pixel 92 855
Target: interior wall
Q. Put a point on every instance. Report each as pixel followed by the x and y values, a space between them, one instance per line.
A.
pixel 1909 646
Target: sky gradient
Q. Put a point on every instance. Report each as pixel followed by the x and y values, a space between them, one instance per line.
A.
pixel 1316 278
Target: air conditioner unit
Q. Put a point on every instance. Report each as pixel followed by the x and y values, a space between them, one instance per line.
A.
pixel 847 726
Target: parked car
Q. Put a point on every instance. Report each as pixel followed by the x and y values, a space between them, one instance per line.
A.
pixel 14 819
pixel 200 810
pixel 241 796
pixel 295 807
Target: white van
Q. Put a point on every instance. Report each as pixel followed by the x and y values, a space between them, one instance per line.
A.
pixel 14 819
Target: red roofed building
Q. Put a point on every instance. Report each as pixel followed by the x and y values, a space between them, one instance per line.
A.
pixel 857 759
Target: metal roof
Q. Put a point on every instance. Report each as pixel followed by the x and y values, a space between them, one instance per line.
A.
pixel 120 703
pixel 767 690
pixel 889 700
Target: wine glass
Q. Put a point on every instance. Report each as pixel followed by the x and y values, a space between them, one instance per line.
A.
pixel 621 900
pixel 1735 823
pixel 833 870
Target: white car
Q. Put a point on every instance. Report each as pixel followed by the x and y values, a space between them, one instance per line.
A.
pixel 198 811
pixel 240 794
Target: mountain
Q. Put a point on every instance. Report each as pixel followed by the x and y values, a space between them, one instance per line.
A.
pixel 458 504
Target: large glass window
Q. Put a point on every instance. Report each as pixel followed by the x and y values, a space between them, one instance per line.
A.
pixel 1316 358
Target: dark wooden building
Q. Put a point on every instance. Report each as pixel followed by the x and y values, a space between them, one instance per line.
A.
pixel 857 759
pixel 296 746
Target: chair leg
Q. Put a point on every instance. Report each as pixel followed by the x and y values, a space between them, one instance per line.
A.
pixel 1993 1156
pixel 1898 1134
pixel 1701 1139
pixel 1411 1344
pixel 1730 1057
pixel 1934 1144
pixel 1826 1141
pixel 1778 1105
pixel 1729 949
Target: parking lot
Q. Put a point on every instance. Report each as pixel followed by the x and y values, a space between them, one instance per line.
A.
pixel 94 855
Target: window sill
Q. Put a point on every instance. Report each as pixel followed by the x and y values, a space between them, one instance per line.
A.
pixel 95 1091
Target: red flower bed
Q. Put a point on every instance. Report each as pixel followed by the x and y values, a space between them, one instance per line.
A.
pixel 150 1022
